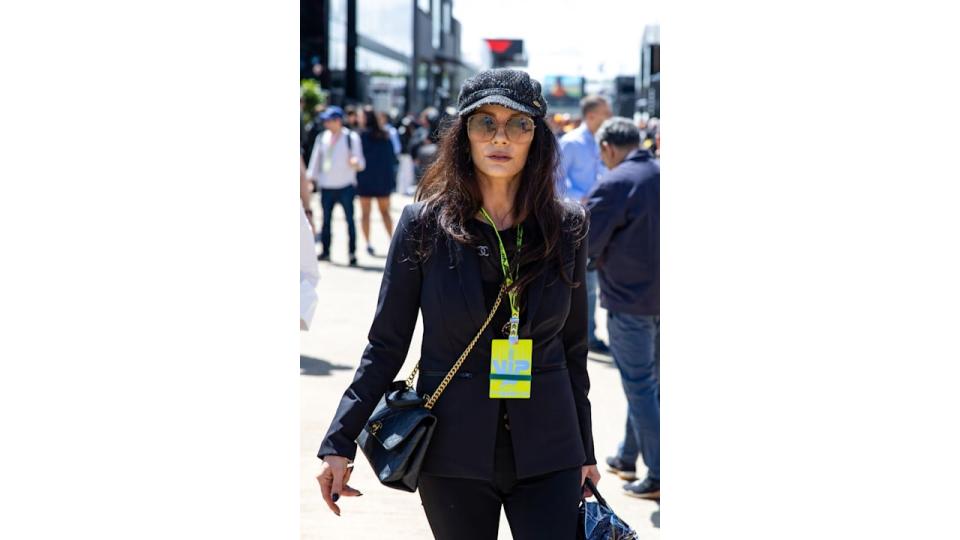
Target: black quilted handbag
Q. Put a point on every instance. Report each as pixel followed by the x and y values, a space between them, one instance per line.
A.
pixel 396 437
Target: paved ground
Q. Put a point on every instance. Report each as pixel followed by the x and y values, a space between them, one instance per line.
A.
pixel 330 353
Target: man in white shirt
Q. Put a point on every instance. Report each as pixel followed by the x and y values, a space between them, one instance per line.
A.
pixel 336 157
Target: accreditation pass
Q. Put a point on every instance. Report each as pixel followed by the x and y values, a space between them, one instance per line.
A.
pixel 511 369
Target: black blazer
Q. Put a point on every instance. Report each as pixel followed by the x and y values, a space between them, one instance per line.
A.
pixel 550 431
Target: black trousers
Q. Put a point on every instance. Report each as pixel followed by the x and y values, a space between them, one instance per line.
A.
pixel 539 508
pixel 343 197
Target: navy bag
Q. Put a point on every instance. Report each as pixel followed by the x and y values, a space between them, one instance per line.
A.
pixel 598 522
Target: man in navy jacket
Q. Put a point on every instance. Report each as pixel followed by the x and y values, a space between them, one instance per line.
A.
pixel 624 246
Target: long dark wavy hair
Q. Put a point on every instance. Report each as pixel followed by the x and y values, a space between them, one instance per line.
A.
pixel 451 195
pixel 372 123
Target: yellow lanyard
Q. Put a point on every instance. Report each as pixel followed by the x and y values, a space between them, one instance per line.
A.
pixel 505 265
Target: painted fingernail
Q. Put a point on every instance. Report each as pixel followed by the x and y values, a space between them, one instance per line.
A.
pixel 359 494
pixel 336 497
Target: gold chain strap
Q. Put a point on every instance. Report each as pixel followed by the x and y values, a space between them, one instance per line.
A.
pixel 456 367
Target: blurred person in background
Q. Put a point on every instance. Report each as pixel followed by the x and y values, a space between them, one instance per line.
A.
pixel 486 209
pixel 580 169
pixel 378 179
pixel 336 157
pixel 405 168
pixel 408 124
pixel 390 129
pixel 350 118
pixel 305 117
pixel 309 276
pixel 306 191
pixel 624 244
pixel 423 146
pixel 311 130
pixel 648 140
pixel 554 125
pixel 642 126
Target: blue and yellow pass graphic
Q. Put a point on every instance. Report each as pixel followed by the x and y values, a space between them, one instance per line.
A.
pixel 511 367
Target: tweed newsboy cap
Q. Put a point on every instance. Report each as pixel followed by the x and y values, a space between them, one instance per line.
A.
pixel 511 88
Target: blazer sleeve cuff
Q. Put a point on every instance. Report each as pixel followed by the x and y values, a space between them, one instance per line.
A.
pixel 588 451
pixel 337 445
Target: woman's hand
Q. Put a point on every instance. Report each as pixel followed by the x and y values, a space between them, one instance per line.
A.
pixel 594 474
pixel 334 475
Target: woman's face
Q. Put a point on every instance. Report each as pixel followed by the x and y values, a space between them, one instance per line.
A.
pixel 500 139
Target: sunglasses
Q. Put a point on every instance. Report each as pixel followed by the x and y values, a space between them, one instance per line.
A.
pixel 483 127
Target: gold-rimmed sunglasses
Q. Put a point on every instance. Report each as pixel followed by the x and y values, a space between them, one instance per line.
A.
pixel 483 127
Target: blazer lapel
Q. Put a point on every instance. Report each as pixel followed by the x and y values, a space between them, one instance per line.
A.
pixel 534 293
pixel 468 272
pixel 535 288
pixel 467 263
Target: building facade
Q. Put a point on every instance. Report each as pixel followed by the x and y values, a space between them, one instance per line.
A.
pixel 399 55
pixel 648 83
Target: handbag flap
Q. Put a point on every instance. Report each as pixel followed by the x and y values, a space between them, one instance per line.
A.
pixel 390 427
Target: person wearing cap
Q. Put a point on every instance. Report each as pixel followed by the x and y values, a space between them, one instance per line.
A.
pixel 487 240
pixel 336 157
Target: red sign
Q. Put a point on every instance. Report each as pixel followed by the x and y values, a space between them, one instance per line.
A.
pixel 505 46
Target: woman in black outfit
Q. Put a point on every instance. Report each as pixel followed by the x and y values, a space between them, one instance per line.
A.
pixel 378 180
pixel 517 438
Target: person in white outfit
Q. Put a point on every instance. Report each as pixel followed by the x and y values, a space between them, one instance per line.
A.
pixel 336 157
pixel 309 276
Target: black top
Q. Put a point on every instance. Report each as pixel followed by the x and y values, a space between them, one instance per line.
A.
pixel 491 271
pixel 378 178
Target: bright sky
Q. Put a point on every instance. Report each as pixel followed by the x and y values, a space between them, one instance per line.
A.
pixel 593 38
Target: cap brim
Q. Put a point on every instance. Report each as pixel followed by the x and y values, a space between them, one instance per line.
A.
pixel 500 100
